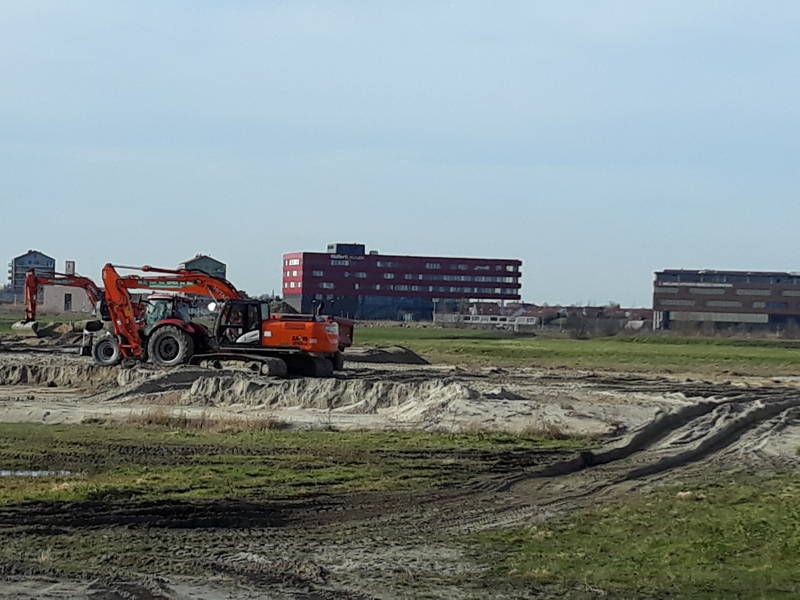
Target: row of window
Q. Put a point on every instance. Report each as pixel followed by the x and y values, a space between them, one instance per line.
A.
pixel 393 264
pixel 485 319
pixel 722 291
pixel 728 278
pixel 35 263
pixel 434 266
pixel 329 285
pixel 726 304
pixel 419 277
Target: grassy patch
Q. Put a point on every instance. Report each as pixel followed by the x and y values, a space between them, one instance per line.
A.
pixel 163 417
pixel 737 539
pixel 158 462
pixel 653 354
pixel 9 317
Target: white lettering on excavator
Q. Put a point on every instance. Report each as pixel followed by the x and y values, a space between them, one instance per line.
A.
pixel 267 334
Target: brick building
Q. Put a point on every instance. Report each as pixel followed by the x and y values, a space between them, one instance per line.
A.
pixel 354 283
pixel 758 299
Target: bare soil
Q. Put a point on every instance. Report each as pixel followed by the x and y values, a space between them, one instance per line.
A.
pixel 654 430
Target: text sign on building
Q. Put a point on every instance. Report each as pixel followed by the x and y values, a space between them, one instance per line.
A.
pixel 346 257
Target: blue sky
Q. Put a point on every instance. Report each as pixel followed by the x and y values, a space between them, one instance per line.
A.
pixel 598 141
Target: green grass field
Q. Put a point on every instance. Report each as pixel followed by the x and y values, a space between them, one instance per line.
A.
pixel 732 539
pixel 645 353
pixel 136 462
pixel 8 317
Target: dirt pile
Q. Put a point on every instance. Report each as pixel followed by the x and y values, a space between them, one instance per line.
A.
pixel 432 404
pixel 74 374
pixel 375 397
pixel 55 329
pixel 341 395
pixel 384 355
pixel 371 397
pixel 281 307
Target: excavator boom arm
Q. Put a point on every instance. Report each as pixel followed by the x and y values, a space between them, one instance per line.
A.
pixel 33 281
pixel 119 303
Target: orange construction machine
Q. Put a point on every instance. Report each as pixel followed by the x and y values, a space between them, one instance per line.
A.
pixel 243 330
pixel 29 324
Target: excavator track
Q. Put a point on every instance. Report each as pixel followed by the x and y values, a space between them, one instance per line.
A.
pixel 264 365
pixel 301 364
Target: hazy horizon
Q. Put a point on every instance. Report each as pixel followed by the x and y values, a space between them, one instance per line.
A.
pixel 598 142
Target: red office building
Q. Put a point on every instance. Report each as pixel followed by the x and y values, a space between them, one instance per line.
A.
pixel 353 283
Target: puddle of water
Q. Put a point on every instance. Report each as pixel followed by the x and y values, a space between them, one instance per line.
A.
pixel 36 473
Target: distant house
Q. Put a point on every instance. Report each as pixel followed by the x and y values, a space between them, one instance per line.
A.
pixel 206 264
pixel 32 259
pixel 63 299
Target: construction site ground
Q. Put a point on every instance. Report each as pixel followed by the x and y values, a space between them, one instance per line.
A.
pixel 461 479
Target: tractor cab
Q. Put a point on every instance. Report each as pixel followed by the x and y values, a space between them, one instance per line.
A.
pixel 239 322
pixel 161 307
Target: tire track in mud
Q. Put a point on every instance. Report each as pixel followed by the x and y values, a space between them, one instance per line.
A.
pixel 692 434
pixel 673 441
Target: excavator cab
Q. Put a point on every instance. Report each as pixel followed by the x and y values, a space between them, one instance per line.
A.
pixel 239 322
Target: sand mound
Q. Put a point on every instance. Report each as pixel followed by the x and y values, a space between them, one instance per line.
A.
pixel 384 354
pixel 54 329
pixel 347 396
pixel 84 375
pixel 437 403
pixel 281 307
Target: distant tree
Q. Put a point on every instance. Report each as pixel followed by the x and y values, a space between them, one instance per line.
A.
pixel 578 324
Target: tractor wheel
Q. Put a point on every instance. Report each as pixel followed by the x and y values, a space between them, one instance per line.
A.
pixel 105 352
pixel 337 360
pixel 170 346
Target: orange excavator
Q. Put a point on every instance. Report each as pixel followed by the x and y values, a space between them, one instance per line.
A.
pixel 244 330
pixel 29 325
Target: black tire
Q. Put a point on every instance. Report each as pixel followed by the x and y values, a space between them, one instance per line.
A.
pixel 105 352
pixel 337 360
pixel 170 346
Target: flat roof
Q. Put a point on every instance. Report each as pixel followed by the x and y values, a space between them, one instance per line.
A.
pixel 724 272
pixel 414 256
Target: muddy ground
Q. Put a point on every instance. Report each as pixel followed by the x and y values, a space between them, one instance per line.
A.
pixel 645 431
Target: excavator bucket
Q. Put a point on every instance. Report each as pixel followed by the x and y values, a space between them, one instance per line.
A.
pixel 26 328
